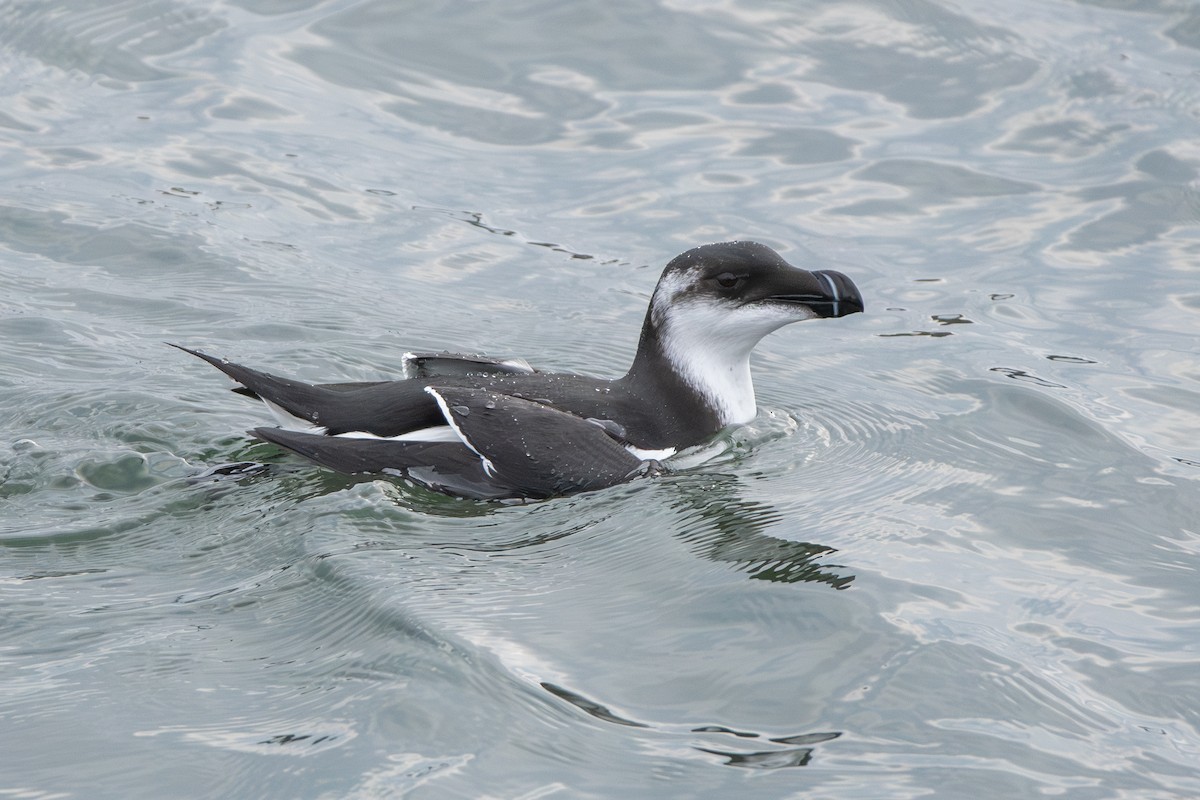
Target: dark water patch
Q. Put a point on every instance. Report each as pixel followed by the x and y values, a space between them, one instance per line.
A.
pixel 477 219
pixel 947 67
pixel 1066 138
pixel 117 42
pixel 951 319
pixel 499 95
pixel 590 706
pixel 1151 206
pixel 801 146
pixel 933 334
pixel 930 184
pixel 1187 31
pixel 768 759
pixel 1027 377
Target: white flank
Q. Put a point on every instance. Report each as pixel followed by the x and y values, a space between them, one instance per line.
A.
pixel 695 456
pixel 488 467
pixel 439 433
pixel 289 421
pixel 651 455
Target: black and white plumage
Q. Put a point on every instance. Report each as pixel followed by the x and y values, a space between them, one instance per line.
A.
pixel 491 429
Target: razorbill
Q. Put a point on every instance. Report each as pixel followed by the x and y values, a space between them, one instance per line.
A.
pixel 497 428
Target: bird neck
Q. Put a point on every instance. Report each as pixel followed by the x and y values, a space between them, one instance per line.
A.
pixel 693 370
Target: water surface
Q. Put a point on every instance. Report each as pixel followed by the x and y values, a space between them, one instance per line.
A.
pixel 956 555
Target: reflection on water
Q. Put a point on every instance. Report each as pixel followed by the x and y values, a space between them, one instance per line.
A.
pixel 771 758
pixel 774 759
pixel 996 467
pixel 714 520
pixel 729 529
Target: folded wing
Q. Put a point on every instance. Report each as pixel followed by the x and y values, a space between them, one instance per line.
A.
pixel 534 449
pixel 509 447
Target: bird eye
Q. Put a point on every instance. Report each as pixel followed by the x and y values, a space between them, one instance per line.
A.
pixel 727 280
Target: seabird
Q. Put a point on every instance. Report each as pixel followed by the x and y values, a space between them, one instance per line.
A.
pixel 493 429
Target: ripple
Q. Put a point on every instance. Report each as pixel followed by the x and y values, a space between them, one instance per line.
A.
pixel 929 184
pixel 317 187
pixel 118 40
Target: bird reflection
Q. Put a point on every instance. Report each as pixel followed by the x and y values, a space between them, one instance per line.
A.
pixel 714 520
pixel 732 530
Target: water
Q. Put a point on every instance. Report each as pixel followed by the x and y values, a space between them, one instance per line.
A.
pixel 956 556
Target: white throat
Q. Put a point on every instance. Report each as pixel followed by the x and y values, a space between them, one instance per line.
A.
pixel 709 340
pixel 723 378
pixel 709 345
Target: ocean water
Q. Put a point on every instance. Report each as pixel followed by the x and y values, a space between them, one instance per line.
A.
pixel 956 556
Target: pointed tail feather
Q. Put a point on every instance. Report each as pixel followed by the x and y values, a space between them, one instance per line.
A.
pixel 255 383
pixel 382 408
